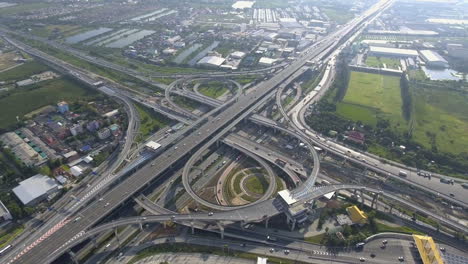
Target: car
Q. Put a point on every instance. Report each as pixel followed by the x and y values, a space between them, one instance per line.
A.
pixel 400 258
pixel 372 255
pixel 210 213
pixel 100 199
pixel 383 246
pixel 384 242
pixel 107 204
pixel 362 259
pixel 452 195
pixel 272 250
pixel 77 219
pixel 286 251
pixel 442 249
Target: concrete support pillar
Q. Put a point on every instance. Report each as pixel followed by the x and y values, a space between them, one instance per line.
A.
pixel 266 223
pixel 192 227
pixel 94 240
pixel 164 224
pixel 242 223
pixel 362 197
pixel 293 224
pixel 221 228
pixel 116 233
pixel 141 226
pixel 73 256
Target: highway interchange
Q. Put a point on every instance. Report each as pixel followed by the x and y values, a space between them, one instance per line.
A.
pixel 203 133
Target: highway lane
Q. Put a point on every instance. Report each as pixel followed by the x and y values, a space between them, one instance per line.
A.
pixel 123 191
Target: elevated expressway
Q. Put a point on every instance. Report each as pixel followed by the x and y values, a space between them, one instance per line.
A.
pixel 222 121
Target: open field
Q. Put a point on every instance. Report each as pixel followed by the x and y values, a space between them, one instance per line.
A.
pixel 66 30
pixel 372 96
pixel 25 100
pixel 441 117
pixel 23 71
pixel 340 16
pixel 213 89
pixel 150 121
pixel 379 62
pixel 6 60
pixel 22 8
pixel 256 184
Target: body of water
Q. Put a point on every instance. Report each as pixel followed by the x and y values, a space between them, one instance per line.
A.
pixel 441 74
pixel 125 41
pixel 86 35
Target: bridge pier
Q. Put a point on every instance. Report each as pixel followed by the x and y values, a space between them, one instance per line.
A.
pixel 242 223
pixel 192 227
pixel 221 228
pixel 374 199
pixel 293 225
pixel 362 197
pixel 73 256
pixel 266 223
pixel 116 233
pixel 140 224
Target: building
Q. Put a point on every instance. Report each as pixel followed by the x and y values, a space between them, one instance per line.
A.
pixel 392 52
pixel 25 82
pixel 76 129
pixel 4 213
pixel 377 43
pixel 92 126
pixel 152 145
pixel 24 151
pixel 264 61
pixel 457 51
pixel 243 4
pixel 428 250
pixel 111 113
pixel 115 129
pixel 104 133
pixel 211 61
pixel 261 260
pixel 409 32
pixel 356 137
pixel 76 171
pixel 238 55
pixel 433 59
pixel 63 107
pixel 356 215
pixel 35 189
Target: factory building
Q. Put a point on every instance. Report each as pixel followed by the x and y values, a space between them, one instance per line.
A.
pixel 211 61
pixel 432 58
pixel 35 189
pixel 392 52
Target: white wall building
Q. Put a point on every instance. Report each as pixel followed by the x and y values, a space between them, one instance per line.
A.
pixel 35 189
pixel 432 58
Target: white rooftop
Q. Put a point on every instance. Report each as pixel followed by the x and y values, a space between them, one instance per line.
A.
pixel 243 4
pixel 266 60
pixel 76 170
pixel 286 196
pixel 404 52
pixel 261 260
pixel 212 60
pixel 153 145
pixel 238 54
pixel 432 56
pixel 34 187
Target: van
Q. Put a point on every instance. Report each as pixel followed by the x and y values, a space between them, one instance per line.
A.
pixel 402 173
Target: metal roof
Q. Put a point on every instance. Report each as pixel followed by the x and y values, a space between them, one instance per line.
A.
pixel 34 187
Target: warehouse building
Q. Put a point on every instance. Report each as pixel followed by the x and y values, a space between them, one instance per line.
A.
pixel 211 61
pixel 432 58
pixel 392 52
pixel 35 189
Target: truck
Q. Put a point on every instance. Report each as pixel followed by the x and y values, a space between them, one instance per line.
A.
pixel 403 174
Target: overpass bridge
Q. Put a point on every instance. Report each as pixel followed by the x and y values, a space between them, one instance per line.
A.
pixel 221 122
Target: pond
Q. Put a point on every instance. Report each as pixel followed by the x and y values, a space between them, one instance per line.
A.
pixel 86 35
pixel 441 74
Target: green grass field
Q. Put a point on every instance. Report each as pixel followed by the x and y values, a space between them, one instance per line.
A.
pixel 25 100
pixel 256 184
pixel 150 121
pixel 372 96
pixel 340 16
pixel 213 89
pixel 20 8
pixel 378 62
pixel 443 113
pixel 23 71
